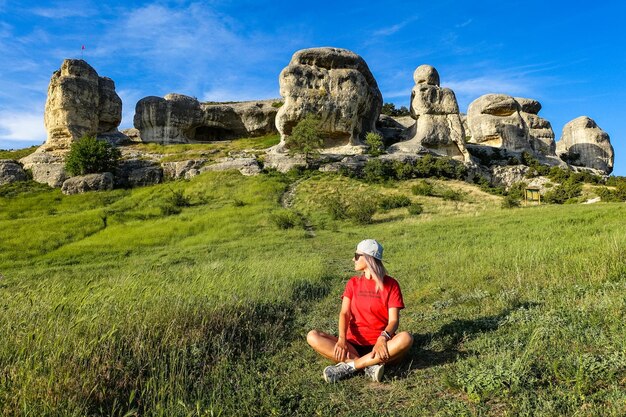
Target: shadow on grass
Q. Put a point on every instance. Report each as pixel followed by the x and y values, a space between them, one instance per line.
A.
pixel 450 337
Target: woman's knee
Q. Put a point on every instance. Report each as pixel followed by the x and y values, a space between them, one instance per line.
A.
pixel 405 339
pixel 312 337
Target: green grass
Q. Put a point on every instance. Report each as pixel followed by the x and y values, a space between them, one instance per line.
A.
pixel 18 153
pixel 515 312
pixel 210 151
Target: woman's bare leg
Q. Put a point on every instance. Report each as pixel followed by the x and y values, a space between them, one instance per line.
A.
pixel 398 347
pixel 324 344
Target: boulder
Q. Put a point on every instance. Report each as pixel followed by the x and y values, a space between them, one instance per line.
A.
pixel 182 169
pixel 438 127
pixel 247 166
pixel 335 85
pixel 584 144
pixel 495 120
pixel 182 119
pixel 89 182
pixel 79 103
pixel 11 171
pixel 540 133
pixel 47 167
pixel 137 172
pixel 394 129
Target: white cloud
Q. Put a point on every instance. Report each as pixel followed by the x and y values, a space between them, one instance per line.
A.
pixel 390 30
pixel 238 94
pixel 462 25
pixel 22 127
pixel 486 84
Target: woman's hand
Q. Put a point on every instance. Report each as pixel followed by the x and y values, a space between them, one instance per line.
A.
pixel 380 349
pixel 341 350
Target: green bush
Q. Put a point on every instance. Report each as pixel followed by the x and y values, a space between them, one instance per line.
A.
pixel 451 195
pixel 90 155
pixel 415 209
pixel 362 210
pixel 510 201
pixel 423 187
pixel 389 109
pixel 394 201
pixel 336 207
pixel 376 171
pixel 566 192
pixel 375 143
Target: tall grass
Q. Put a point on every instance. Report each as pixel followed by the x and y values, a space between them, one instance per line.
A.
pixel 204 312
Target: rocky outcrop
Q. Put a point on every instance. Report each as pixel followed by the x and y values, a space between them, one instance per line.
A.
pixel 540 133
pixel 246 166
pixel 47 167
pixel 137 172
pixel 495 120
pixel 177 118
pixel 335 85
pixel 89 182
pixel 584 144
pixel 11 171
pixel 438 127
pixel 79 103
pixel 182 169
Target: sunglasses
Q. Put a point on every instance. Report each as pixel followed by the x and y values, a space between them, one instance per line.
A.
pixel 357 256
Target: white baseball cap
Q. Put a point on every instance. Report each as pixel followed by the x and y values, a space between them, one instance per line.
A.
pixel 370 247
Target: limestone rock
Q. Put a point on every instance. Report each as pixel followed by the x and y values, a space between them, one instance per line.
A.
pixel 138 172
pixel 182 119
pixel 540 131
pixel 584 144
pixel 495 120
pixel 335 85
pixel 182 169
pixel 508 175
pixel 47 167
pixel 394 129
pixel 79 103
pixel 438 127
pixel 247 166
pixel 89 182
pixel 11 171
pixel 283 162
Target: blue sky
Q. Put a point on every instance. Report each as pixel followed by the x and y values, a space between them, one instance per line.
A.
pixel 570 56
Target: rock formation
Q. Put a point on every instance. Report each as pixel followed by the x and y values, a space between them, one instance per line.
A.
pixel 89 182
pixel 540 133
pixel 79 103
pixel 438 127
pixel 177 118
pixel 335 85
pixel 495 120
pixel 584 144
pixel 11 171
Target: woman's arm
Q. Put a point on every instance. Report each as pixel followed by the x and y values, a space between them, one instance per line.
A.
pixel 380 348
pixel 341 347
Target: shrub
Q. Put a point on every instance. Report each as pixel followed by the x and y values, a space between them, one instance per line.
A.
pixel 306 138
pixel 510 202
pixel 362 210
pixel 375 142
pixel 415 209
pixel 90 155
pixel 336 207
pixel 394 201
pixel 452 195
pixel 390 110
pixel 285 219
pixel 423 188
pixel 403 170
pixel 174 202
pixel 376 171
pixel 563 193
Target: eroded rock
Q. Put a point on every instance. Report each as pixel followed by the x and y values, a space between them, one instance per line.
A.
pixel 438 127
pixel 335 85
pixel 89 182
pixel 584 143
pixel 11 171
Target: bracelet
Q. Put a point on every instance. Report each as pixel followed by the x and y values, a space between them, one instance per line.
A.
pixel 385 335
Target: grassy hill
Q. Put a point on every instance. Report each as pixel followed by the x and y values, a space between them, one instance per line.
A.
pixel 189 299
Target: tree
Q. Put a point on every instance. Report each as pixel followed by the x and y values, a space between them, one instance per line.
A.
pixel 306 138
pixel 90 155
pixel 375 142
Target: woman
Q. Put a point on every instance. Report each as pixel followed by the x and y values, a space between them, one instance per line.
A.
pixel 369 318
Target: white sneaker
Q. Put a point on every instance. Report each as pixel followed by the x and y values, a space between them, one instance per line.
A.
pixel 336 372
pixel 375 372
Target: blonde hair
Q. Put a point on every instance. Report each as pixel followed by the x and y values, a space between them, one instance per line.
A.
pixel 377 270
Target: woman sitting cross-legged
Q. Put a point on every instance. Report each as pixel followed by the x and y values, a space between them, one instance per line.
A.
pixel 369 318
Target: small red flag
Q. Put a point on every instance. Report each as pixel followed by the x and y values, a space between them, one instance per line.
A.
pixel 83 47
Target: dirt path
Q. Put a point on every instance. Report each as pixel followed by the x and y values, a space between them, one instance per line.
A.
pixel 287 200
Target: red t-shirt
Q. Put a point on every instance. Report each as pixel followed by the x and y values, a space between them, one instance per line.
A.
pixel 370 309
